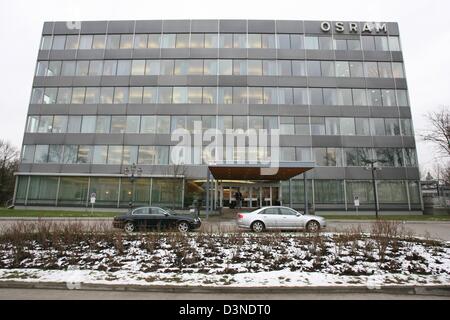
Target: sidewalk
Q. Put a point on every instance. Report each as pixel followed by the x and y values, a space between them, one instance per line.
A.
pixel 425 290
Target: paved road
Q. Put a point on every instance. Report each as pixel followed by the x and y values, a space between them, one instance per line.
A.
pixel 32 294
pixel 432 229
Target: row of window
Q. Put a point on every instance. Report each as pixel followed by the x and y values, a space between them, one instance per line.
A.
pixel 167 124
pixel 76 191
pixel 220 95
pixel 115 191
pixel 216 40
pixel 162 155
pixel 214 67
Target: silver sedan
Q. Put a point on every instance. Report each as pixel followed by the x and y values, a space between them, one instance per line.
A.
pixel 281 218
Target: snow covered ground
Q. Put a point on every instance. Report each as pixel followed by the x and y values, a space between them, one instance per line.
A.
pixel 238 259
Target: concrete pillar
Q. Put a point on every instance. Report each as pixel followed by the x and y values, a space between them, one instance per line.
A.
pixel 290 193
pixel 208 178
pixel 305 193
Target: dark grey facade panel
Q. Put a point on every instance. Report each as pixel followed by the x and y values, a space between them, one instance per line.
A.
pixel 392 174
pixel 141 109
pixel 66 27
pixel 43 54
pixel 115 27
pixel 62 54
pixel 327 141
pixel 262 54
pixel 300 82
pixel 176 26
pixel 140 81
pixel 113 109
pixel 146 53
pixel 205 26
pixel 291 54
pixel 289 26
pixel 228 53
pixel 173 81
pixel 355 111
pixel 413 174
pixel 320 55
pixel 78 168
pixel 401 83
pixel 261 26
pixel 84 109
pixel 175 53
pixel 322 111
pixel 387 142
pixel 357 142
pixel 288 110
pixel 296 141
pixel 405 112
pixel 90 54
pixel 105 169
pixel 47 29
pixel 233 109
pixel 204 53
pixel 264 109
pixel 50 109
pixel 393 28
pixel 409 142
pixel 149 26
pixel 397 56
pixel 108 81
pixel 380 83
pixel 94 27
pixel 230 26
pixel 256 81
pixel 384 112
pixel 118 53
pixel 377 56
pixel 81 138
pixel 349 55
pixel 312 27
pixel 329 173
pixel 87 81
pixel 111 139
pixel 316 82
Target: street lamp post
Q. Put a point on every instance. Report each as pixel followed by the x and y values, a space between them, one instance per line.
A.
pixel 132 172
pixel 370 165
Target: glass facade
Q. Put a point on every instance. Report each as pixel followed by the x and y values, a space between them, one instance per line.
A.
pixel 102 101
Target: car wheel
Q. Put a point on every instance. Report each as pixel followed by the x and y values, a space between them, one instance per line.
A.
pixel 183 226
pixel 313 226
pixel 129 227
pixel 258 226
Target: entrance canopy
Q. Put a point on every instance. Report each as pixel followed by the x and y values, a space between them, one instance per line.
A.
pixel 259 172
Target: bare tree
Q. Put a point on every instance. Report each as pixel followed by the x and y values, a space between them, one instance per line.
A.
pixel 439 130
pixel 441 172
pixel 9 161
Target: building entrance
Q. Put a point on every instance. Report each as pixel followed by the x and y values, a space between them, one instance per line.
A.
pixel 253 195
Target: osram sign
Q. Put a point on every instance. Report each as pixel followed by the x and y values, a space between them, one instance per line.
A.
pixel 353 27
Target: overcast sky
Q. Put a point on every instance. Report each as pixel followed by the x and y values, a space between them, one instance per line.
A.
pixel 424 29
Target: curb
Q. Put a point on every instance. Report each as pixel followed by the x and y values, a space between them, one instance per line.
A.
pixel 437 290
pixel 401 221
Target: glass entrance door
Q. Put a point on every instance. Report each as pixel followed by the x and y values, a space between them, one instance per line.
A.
pixel 253 196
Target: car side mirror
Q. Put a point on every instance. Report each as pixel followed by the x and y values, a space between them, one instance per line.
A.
pixel 298 214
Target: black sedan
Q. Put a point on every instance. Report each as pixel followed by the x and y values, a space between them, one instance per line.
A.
pixel 144 218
